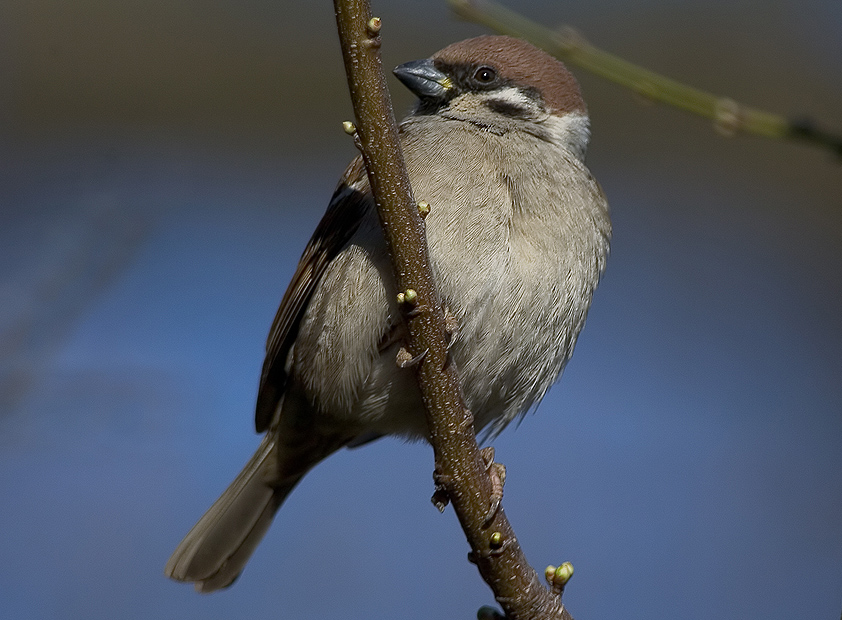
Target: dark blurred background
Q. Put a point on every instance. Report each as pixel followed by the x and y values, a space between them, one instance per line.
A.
pixel 161 168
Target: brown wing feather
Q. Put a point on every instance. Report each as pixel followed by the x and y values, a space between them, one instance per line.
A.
pixel 349 203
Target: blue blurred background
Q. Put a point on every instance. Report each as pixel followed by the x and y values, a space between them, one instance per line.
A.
pixel 161 168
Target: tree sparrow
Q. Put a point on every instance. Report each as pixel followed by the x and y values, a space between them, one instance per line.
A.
pixel 518 236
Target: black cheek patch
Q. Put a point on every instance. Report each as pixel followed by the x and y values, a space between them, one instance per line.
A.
pixel 507 108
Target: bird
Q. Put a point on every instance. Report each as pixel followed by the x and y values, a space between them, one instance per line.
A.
pixel 518 235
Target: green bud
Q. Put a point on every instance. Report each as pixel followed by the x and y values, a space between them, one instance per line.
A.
pixel 410 296
pixel 563 574
pixel 374 25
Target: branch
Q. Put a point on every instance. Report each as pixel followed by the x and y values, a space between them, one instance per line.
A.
pixel 565 43
pixel 460 467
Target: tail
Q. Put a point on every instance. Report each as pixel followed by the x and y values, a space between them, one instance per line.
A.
pixel 216 550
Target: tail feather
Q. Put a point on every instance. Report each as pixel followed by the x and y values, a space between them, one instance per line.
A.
pixel 216 550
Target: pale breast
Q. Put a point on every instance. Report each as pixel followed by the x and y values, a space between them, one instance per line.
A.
pixel 517 253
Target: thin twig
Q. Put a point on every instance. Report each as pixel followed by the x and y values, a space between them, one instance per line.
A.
pixel 728 116
pixel 460 467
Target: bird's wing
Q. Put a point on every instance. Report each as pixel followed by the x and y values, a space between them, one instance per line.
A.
pixel 350 202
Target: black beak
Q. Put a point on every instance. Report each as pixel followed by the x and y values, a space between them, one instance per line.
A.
pixel 423 79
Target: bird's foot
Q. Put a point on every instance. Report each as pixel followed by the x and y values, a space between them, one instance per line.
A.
pixel 405 359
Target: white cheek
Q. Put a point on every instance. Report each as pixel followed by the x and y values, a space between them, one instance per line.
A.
pixel 571 131
pixel 516 98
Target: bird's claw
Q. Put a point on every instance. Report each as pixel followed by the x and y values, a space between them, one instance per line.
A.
pixel 405 359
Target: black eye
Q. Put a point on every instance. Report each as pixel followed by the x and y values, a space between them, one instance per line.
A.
pixel 485 75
